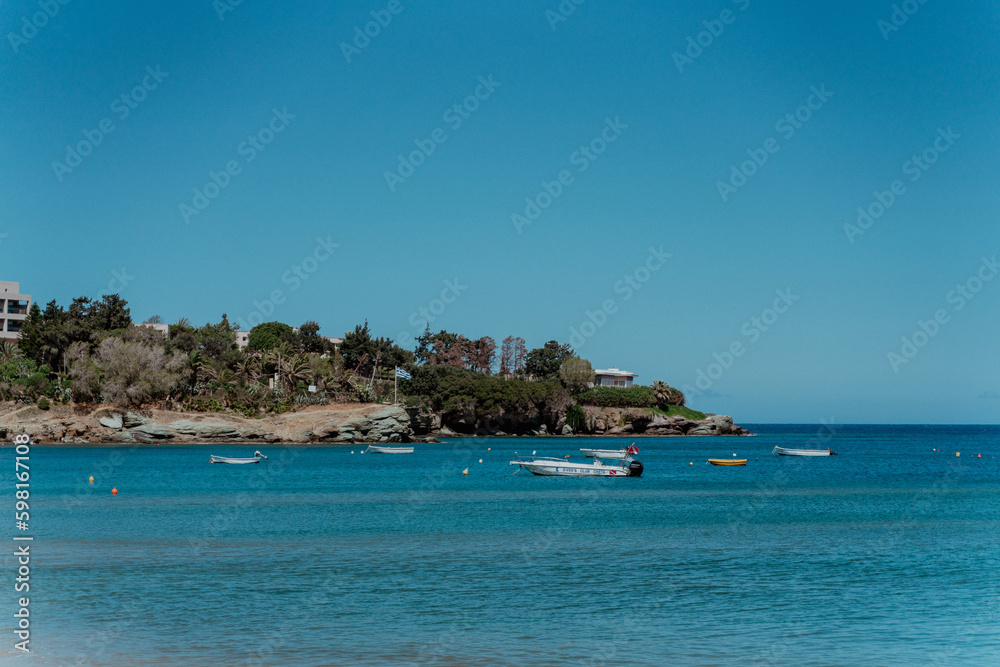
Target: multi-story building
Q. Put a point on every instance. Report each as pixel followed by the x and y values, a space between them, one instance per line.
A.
pixel 13 310
pixel 612 377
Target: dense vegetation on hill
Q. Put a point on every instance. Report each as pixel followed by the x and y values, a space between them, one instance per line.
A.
pixel 92 352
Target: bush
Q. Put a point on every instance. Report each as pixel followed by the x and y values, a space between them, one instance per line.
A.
pixel 43 403
pixel 637 396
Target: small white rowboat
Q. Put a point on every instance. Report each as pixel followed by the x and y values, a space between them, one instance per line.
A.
pixel 782 451
pixel 257 456
pixel 375 449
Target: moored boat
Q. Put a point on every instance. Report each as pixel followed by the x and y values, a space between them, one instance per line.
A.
pixel 728 462
pixel 552 467
pixel 604 453
pixel 784 451
pixel 257 456
pixel 376 449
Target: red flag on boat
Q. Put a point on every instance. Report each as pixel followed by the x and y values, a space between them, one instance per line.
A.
pixel 632 449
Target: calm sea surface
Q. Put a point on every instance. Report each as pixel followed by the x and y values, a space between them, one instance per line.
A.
pixel 887 554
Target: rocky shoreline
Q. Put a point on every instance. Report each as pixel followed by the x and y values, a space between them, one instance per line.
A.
pixel 334 424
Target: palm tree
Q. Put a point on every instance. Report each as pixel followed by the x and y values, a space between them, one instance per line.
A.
pixel 248 369
pixel 9 351
pixel 280 352
pixel 296 368
pixel 661 391
pixel 666 395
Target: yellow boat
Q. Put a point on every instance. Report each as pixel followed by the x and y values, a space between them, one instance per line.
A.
pixel 728 462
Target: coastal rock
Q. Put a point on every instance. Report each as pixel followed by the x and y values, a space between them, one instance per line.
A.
pixel 446 432
pixel 390 425
pixel 360 424
pixel 326 429
pixel 155 431
pixel 567 429
pixel 132 420
pixel 423 422
pixel 714 425
pixel 114 421
pixel 205 430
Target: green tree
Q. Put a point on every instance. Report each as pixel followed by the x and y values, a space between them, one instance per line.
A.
pixel 576 374
pixel 543 363
pixel 111 313
pixel 218 341
pixel 268 335
pixel 31 340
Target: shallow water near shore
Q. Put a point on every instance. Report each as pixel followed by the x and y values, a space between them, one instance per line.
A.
pixel 886 554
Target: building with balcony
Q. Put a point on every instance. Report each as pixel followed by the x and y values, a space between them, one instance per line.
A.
pixel 612 377
pixel 13 310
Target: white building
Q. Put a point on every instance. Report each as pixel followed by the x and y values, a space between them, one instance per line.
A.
pixel 13 310
pixel 613 377
pixel 162 328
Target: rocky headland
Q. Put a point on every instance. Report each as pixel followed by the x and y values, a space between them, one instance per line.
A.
pixel 332 424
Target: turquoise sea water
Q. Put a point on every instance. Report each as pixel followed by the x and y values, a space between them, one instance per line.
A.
pixel 887 554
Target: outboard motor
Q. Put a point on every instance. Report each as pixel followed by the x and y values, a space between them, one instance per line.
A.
pixel 635 469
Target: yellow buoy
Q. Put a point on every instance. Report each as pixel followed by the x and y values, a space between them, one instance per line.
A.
pixel 465 472
pixel 488 448
pixel 691 464
pixel 91 479
pixel 958 453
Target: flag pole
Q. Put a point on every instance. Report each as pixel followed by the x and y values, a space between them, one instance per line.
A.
pixel 395 383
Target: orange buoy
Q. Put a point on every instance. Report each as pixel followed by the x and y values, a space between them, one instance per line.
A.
pixel 979 456
pixel 114 490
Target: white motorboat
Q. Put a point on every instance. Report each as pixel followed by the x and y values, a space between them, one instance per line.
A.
pixel 604 453
pixel 375 449
pixel 257 456
pixel 784 451
pixel 552 467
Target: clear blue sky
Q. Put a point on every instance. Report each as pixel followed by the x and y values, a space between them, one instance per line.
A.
pixel 672 130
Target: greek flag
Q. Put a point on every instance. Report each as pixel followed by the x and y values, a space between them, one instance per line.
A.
pixel 400 373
